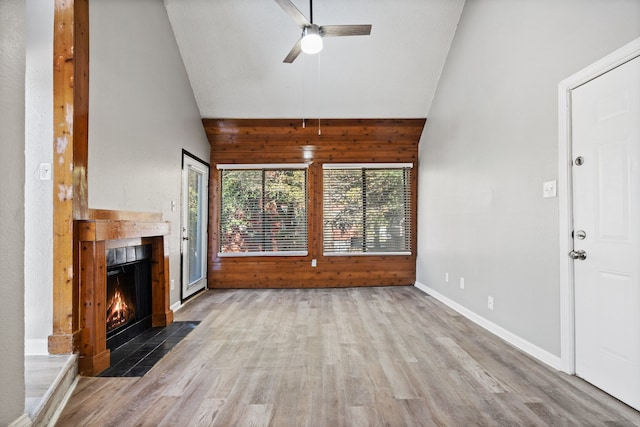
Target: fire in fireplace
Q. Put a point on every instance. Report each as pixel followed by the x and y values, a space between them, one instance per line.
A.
pixel 128 293
pixel 121 308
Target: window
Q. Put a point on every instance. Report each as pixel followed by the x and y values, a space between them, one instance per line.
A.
pixel 367 209
pixel 263 210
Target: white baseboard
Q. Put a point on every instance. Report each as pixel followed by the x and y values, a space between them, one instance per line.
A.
pixel 516 341
pixel 176 306
pixel 63 403
pixel 36 347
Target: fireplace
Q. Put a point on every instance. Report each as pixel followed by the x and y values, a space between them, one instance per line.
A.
pixel 113 249
pixel 128 302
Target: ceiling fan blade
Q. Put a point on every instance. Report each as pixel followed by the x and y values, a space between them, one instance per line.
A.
pixel 294 12
pixel 294 52
pixel 345 30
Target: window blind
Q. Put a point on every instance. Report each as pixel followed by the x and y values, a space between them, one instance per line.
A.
pixel 263 211
pixel 366 209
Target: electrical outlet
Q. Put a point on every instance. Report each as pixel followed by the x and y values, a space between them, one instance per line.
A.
pixel 173 284
pixel 446 277
pixel 462 283
pixel 314 263
pixel 490 303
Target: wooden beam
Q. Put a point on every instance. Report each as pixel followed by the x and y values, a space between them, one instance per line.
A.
pixel 94 355
pixel 162 315
pixel 111 215
pixel 115 230
pixel 70 145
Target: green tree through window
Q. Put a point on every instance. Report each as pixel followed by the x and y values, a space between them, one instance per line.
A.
pixel 263 211
pixel 366 210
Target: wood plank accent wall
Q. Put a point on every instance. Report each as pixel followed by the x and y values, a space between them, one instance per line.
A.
pixel 70 154
pixel 286 141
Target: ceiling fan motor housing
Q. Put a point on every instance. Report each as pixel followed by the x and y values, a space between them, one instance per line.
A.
pixel 311 42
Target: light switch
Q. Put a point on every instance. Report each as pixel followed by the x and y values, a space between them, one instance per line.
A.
pixel 45 171
pixel 549 189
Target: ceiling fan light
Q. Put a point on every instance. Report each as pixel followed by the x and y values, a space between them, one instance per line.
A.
pixel 311 42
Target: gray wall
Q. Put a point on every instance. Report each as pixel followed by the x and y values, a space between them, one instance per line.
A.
pixel 38 194
pixel 12 66
pixel 142 114
pixel 490 143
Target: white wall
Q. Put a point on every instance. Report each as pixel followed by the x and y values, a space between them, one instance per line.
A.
pixel 233 52
pixel 38 194
pixel 12 66
pixel 490 143
pixel 142 113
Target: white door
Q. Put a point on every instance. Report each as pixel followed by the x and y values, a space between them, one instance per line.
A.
pixel 195 211
pixel 606 198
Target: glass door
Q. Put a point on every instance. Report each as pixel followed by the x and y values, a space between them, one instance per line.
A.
pixel 195 211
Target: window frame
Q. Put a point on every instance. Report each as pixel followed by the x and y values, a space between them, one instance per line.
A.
pixel 263 167
pixel 409 197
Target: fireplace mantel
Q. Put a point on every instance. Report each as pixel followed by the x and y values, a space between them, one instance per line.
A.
pixel 105 230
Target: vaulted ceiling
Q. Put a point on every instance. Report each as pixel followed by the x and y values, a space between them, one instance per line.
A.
pixel 233 52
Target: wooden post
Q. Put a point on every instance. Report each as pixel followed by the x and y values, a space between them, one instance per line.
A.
pixel 162 315
pixel 70 149
pixel 94 355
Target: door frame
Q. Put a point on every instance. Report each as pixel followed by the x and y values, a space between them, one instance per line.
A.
pixel 565 197
pixel 185 153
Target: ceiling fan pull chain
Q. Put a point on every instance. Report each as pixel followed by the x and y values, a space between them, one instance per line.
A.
pixel 319 91
pixel 304 65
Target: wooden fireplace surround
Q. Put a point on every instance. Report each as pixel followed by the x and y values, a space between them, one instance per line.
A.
pixel 106 230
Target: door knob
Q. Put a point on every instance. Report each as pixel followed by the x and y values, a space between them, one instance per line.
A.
pixel 579 254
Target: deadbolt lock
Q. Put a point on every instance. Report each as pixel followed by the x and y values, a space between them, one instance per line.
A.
pixel 581 235
pixel 579 161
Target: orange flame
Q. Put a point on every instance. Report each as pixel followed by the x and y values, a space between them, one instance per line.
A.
pixel 118 311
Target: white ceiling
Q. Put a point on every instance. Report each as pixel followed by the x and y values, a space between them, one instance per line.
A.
pixel 233 52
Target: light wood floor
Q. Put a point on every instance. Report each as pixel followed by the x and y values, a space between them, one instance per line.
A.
pixel 40 374
pixel 340 357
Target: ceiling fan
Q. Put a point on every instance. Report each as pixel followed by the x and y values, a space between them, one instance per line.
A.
pixel 311 39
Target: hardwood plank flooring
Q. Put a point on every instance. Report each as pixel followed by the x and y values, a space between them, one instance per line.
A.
pixel 340 357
